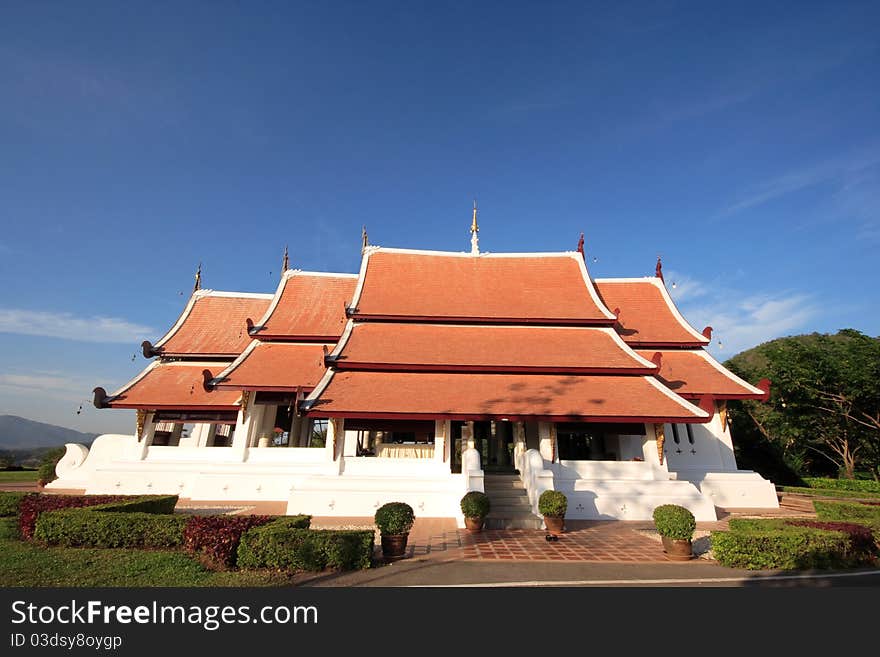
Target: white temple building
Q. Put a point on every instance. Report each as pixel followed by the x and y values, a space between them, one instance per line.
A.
pixel 426 375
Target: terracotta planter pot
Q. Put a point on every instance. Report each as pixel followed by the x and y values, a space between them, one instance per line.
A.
pixel 474 524
pixel 677 549
pixel 394 546
pixel 555 526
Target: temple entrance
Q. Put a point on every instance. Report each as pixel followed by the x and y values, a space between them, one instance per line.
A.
pixel 494 441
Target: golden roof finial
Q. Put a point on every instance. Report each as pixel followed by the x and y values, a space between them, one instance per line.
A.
pixel 474 227
pixel 285 262
pixel 198 285
pixel 364 241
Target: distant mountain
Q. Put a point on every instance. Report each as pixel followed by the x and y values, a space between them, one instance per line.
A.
pixel 20 433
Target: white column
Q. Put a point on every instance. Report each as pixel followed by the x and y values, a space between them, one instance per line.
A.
pixel 441 430
pixel 519 444
pixel 467 436
pixel 147 437
pixel 335 441
pixel 246 427
pixel 547 440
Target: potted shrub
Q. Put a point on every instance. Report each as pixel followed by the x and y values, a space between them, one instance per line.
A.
pixel 552 505
pixel 394 521
pixel 475 507
pixel 676 526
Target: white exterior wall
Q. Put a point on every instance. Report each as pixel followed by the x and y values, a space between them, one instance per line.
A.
pixel 331 481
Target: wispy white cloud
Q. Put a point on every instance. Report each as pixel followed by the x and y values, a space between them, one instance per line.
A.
pixel 751 320
pixel 846 171
pixel 71 327
pixel 683 287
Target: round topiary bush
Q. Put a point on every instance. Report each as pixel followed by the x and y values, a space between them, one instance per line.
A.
pixel 552 503
pixel 674 521
pixel 475 505
pixel 394 518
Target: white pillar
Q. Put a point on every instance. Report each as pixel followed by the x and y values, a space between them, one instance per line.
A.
pixel 467 436
pixel 246 427
pixel 519 444
pixel 547 441
pixel 335 441
pixel 441 431
pixel 146 437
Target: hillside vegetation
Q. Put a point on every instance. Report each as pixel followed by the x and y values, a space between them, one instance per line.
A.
pixel 823 417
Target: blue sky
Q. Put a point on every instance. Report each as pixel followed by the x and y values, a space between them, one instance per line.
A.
pixel 740 141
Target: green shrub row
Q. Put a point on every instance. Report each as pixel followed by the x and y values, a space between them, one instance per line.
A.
pixel 786 549
pixel 285 547
pixel 9 503
pixel 848 512
pixel 827 492
pixel 96 527
pixel 858 485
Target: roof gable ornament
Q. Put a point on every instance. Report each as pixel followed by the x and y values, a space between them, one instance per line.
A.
pixel 365 242
pixel 580 248
pixel 198 284
pixel 285 262
pixel 475 240
pixel 658 270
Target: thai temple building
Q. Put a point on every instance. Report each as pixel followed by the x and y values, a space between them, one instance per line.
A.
pixel 426 375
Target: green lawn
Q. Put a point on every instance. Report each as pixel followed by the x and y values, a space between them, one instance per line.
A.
pixel 26 564
pixel 18 475
pixel 829 493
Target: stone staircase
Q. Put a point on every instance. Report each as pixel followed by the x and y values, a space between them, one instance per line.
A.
pixel 510 503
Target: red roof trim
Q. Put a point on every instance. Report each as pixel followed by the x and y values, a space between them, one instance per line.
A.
pixel 343 364
pixel 174 407
pixel 316 412
pixel 432 319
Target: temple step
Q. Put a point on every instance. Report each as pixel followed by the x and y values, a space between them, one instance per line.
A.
pixel 511 508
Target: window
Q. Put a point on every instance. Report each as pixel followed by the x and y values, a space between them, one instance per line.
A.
pixel 223 435
pixel 581 442
pixel 318 433
pixel 675 437
pixel 690 433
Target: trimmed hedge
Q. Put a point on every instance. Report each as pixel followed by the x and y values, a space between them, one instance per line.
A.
pixel 848 512
pixel 291 549
pixel 106 528
pixel 857 485
pixel 215 538
pixel 787 549
pixel 33 504
pixel 9 503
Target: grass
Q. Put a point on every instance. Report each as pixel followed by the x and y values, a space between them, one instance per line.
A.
pixel 17 475
pixel 827 492
pixel 27 564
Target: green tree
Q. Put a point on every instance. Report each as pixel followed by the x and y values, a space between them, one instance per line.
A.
pixel 825 400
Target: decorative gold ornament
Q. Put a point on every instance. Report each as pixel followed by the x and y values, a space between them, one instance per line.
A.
pixel 245 401
pixel 140 420
pixel 660 433
pixel 722 411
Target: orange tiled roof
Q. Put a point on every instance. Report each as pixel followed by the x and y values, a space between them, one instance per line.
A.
pixel 213 324
pixel 487 347
pixel 694 372
pixel 472 396
pixel 550 288
pixel 175 385
pixel 647 315
pixel 274 366
pixel 307 307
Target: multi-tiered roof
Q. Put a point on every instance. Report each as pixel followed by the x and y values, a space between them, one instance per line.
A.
pixel 487 336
